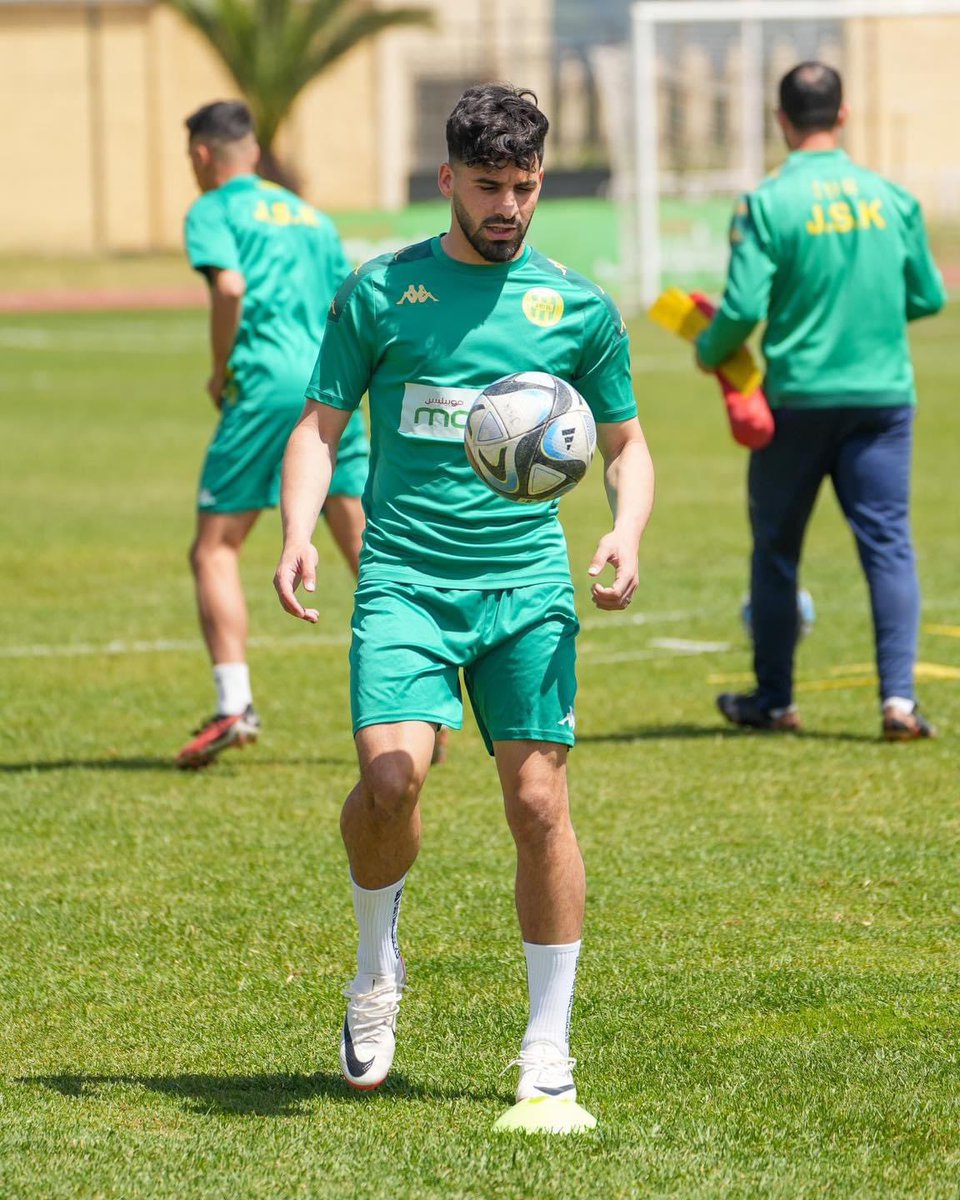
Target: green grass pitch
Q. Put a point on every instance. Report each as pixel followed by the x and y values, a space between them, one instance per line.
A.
pixel 768 1002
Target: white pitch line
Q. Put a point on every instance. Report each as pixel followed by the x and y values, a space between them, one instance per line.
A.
pixel 656 648
pixel 160 646
pixel 613 620
pixel 593 660
pixel 685 646
pixel 174 645
pixel 123 341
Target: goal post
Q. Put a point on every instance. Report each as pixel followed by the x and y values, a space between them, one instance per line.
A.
pixel 703 75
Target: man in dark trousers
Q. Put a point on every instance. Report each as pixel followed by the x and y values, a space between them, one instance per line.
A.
pixel 835 259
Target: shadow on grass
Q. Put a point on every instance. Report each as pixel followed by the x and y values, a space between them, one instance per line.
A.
pixel 252 1095
pixel 143 763
pixel 680 732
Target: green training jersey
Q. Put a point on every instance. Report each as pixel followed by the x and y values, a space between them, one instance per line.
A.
pixel 423 334
pixel 292 261
pixel 835 259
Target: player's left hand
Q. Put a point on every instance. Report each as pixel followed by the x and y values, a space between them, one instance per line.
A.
pixel 215 385
pixel 613 549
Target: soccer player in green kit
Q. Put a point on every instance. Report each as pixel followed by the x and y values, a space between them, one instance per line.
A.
pixel 835 259
pixel 273 264
pixel 452 576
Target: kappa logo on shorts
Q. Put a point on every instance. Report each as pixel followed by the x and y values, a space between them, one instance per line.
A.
pixel 417 295
pixel 569 720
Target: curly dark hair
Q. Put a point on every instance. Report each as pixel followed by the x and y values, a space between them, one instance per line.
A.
pixel 494 124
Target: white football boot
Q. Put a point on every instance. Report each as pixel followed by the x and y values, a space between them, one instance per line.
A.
pixel 544 1071
pixel 370 1028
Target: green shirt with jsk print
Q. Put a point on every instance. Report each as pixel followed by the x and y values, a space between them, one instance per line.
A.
pixel 423 334
pixel 292 262
pixel 835 259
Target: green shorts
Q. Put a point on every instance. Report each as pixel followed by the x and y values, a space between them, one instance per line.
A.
pixel 516 648
pixel 243 463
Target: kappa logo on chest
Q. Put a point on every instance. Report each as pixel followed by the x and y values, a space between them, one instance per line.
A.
pixel 417 295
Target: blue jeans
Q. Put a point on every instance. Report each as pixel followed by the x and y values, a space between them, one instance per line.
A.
pixel 866 452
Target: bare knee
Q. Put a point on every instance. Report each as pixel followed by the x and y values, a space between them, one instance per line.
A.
pixel 537 816
pixel 391 785
pixel 205 555
pixel 219 539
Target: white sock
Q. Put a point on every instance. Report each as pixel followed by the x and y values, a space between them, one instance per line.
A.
pixel 900 704
pixel 377 912
pixel 232 681
pixel 551 976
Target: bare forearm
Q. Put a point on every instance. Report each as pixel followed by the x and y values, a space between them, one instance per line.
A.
pixel 629 481
pixel 225 313
pixel 628 477
pixel 307 471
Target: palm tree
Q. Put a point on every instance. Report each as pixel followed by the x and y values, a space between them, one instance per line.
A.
pixel 274 48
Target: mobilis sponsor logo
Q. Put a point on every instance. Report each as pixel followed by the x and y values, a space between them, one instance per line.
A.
pixel 438 412
pixel 441 411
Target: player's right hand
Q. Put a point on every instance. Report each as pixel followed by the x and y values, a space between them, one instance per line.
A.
pixel 297 565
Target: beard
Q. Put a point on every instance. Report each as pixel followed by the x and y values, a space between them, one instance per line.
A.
pixel 494 251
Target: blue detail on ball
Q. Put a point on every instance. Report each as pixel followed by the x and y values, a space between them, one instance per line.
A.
pixel 538 404
pixel 558 438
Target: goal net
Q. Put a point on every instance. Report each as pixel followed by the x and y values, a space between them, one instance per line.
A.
pixel 699 126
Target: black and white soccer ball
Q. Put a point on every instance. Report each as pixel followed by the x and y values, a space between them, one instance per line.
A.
pixel 530 436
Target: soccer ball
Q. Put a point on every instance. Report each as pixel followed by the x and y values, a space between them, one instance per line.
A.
pixel 806 615
pixel 530 436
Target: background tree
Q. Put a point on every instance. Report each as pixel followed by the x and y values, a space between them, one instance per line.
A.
pixel 274 48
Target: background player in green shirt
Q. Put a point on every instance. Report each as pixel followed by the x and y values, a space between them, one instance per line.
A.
pixel 273 264
pixel 835 259
pixel 453 577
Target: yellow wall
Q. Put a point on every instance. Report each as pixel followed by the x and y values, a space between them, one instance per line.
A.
pixel 94 96
pixel 331 135
pixel 100 149
pixel 118 113
pixel 182 74
pixel 45 135
pixel 94 100
pixel 903 86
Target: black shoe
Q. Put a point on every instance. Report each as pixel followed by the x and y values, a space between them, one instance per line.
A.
pixel 900 726
pixel 742 709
